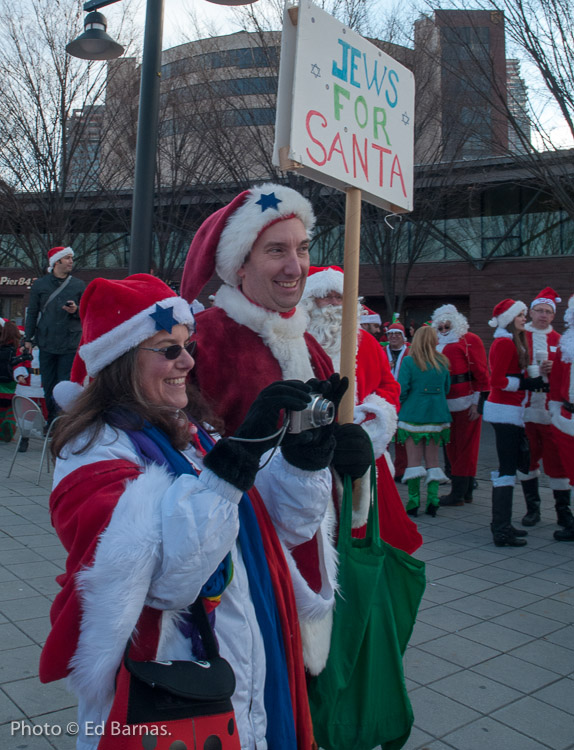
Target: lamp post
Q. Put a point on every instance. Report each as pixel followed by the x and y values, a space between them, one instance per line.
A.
pixel 95 44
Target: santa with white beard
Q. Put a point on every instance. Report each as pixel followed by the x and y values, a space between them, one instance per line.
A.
pixel 376 395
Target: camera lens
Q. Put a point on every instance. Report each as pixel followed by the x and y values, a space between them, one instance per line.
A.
pixel 322 412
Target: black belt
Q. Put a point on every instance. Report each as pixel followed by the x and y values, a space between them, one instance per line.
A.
pixel 464 377
pixel 568 406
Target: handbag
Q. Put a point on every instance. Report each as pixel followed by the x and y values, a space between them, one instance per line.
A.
pixel 158 703
pixel 359 700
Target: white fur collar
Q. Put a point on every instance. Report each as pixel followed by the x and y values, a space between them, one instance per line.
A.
pixel 502 333
pixel 450 338
pixel 283 336
pixel 530 327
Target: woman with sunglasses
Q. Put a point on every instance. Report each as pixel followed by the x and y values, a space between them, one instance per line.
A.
pixel 504 409
pixel 154 516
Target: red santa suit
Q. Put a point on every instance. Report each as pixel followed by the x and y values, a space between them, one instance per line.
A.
pixel 400 461
pixel 377 402
pixel 542 344
pixel 561 402
pixel 468 378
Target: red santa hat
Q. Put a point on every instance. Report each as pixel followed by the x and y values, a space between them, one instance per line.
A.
pixel 546 297
pixel 323 279
pixel 224 240
pixel 396 326
pixel 505 312
pixel 56 253
pixel 369 316
pixel 116 317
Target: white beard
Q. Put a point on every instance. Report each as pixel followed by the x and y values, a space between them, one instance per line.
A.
pixel 325 325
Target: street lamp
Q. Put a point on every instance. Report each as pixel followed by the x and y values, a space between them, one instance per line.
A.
pixel 95 44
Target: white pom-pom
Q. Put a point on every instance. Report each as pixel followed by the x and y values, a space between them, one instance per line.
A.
pixel 65 394
pixel 493 322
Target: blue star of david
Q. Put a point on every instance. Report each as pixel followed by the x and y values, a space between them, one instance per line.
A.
pixel 164 320
pixel 406 119
pixel 315 70
pixel 268 200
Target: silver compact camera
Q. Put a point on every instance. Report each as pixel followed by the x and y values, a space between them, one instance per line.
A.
pixel 319 413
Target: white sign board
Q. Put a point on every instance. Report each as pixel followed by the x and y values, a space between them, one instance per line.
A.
pixel 345 110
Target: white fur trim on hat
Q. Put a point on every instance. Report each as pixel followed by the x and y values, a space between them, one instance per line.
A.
pixel 63 253
pixel 250 219
pixel 102 351
pixel 508 315
pixel 321 283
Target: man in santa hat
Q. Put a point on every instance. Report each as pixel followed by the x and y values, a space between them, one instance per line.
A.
pixel 53 321
pixel 370 321
pixel 376 394
pixel 469 378
pixel 395 351
pixel 259 247
pixel 561 406
pixel 543 342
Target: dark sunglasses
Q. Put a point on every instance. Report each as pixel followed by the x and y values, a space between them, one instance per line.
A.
pixel 443 328
pixel 173 351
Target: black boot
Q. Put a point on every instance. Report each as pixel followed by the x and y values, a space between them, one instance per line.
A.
pixel 565 535
pixel 530 489
pixel 562 504
pixel 472 485
pixel 501 527
pixel 457 492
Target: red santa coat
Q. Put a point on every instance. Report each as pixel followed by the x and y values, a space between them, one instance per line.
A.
pixel 542 345
pixel 467 358
pixel 562 396
pixel 129 556
pixel 396 366
pixel 377 399
pixel 505 402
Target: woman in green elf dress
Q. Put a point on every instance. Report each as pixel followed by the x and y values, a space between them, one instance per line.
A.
pixel 424 418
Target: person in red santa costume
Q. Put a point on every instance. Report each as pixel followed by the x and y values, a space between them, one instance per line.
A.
pixel 468 380
pixel 377 395
pixel 153 515
pixel 369 320
pixel 395 350
pixel 504 409
pixel 259 247
pixel 543 343
pixel 561 407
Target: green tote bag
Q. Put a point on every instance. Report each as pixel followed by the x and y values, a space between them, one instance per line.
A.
pixel 359 701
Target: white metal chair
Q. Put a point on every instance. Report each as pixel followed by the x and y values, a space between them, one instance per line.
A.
pixel 32 425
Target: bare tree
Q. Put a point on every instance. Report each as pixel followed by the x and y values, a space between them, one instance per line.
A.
pixel 51 122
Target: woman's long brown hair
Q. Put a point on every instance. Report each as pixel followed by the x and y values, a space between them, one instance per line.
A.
pixel 519 338
pixel 423 350
pixel 115 389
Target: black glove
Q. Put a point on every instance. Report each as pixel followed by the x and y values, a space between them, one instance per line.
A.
pixel 534 384
pixel 481 401
pixel 238 462
pixel 353 452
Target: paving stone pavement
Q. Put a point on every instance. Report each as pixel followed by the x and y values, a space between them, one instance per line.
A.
pixel 490 665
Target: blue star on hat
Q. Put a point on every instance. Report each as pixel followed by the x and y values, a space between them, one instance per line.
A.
pixel 268 200
pixel 164 320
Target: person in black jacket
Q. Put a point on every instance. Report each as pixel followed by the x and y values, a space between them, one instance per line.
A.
pixel 53 321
